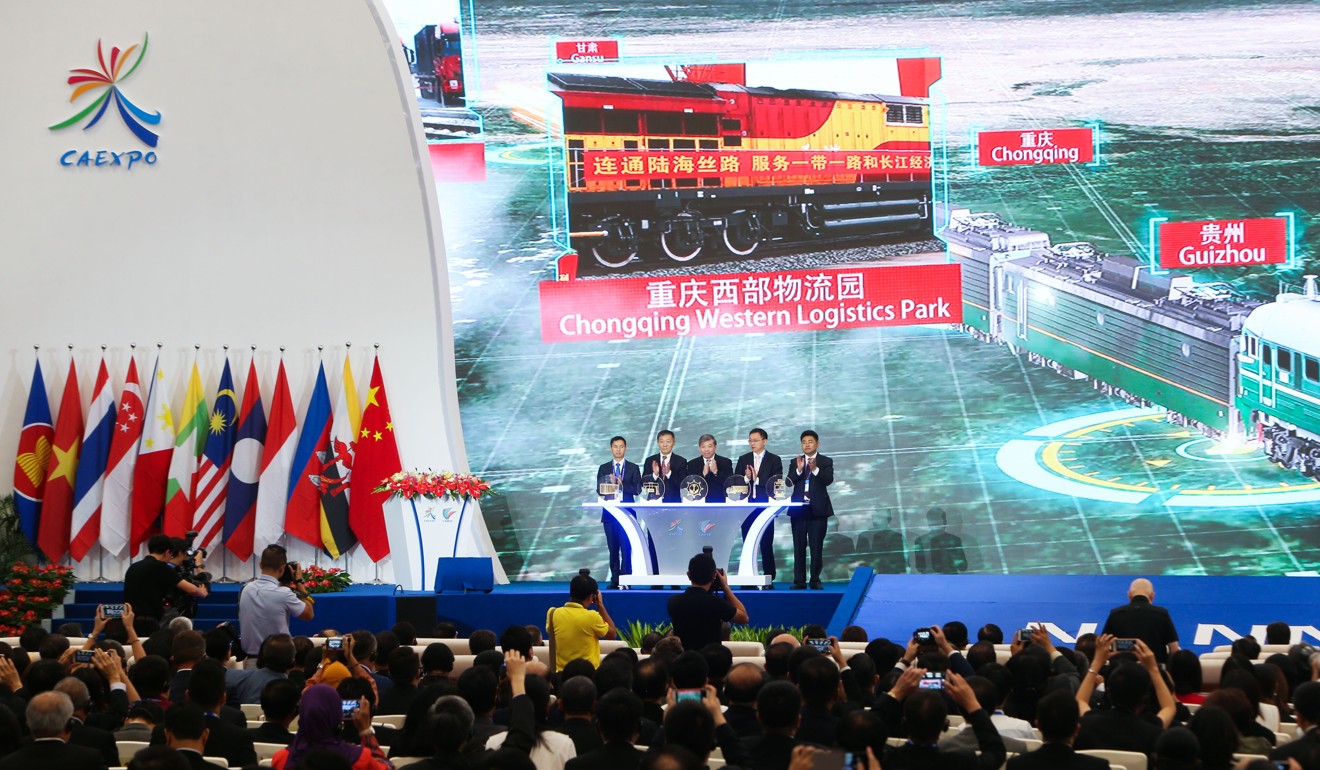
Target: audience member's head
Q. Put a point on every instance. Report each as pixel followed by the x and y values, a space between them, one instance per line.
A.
pixel 478 686
pixel 776 659
pixel 451 723
pixel 188 648
pixel 619 716
pixel 31 638
pixel 980 654
pixel 577 667
pixel 1057 716
pixel 955 633
pixel 814 631
pixel 480 641
pixel 743 683
pixel 1177 749
pixel 1278 632
pixel 279 701
pixel 1306 703
pixel 649 641
pixel 885 654
pixel 48 715
pixel 53 646
pixel 668 648
pixel 577 697
pixel 864 673
pixel 925 715
pixel 42 676
pixel 690 725
pixel 1246 682
pixel 818 679
pixel 719 659
pixel 859 730
pixel 277 653
pixel 1247 647
pixel 1185 670
pixel 799 656
pixel 1127 685
pixel 70 629
pixel 185 727
pixel 535 633
pixel 651 680
pixel 1234 702
pixel 158 758
pixel 671 757
pixel 613 674
pixel 1216 733
pixel 406 632
pixel 779 708
pixel 582 588
pixel 206 685
pixel 78 694
pixel 1086 646
pixel 689 671
pixel 151 676
pixel 404 666
pixel 990 633
pixel 445 630
pixel 853 634
pixel 516 638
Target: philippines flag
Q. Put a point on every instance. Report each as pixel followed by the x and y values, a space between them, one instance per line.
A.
pixel 303 519
pixel 33 457
pixel 57 508
pixel 119 468
pixel 244 473
pixel 152 472
pixel 209 510
pixel 273 489
pixel 90 481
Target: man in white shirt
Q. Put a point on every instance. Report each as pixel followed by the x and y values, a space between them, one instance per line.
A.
pixel 264 606
pixel 759 467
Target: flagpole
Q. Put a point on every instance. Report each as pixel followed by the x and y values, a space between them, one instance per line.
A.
pixel 224 552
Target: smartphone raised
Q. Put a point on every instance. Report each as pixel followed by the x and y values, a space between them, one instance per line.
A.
pixel 112 610
pixel 923 635
pixel 1024 635
pixel 931 680
pixel 818 643
pixel 1124 645
pixel 83 656
pixel 682 695
pixel 348 707
pixel 335 643
pixel 833 759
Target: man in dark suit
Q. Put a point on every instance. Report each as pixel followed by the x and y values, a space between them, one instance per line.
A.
pixel 742 687
pixel 206 690
pixel 939 551
pixel 665 466
pixel 926 716
pixel 279 702
pixel 577 702
pixel 84 734
pixel 712 468
pixel 619 719
pixel 779 707
pixel 50 721
pixel 759 467
pixel 1141 619
pixel 811 474
pixel 1306 749
pixel 186 732
pixel 1058 719
pixel 405 673
pixel 628 478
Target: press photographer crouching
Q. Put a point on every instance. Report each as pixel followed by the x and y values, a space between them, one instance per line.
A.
pixel 157 587
pixel 266 604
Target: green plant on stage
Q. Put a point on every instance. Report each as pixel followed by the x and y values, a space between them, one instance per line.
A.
pixel 13 545
pixel 636 630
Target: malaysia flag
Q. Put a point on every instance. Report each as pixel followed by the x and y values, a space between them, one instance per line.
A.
pixel 119 468
pixel 245 471
pixel 33 457
pixel 213 473
pixel 89 484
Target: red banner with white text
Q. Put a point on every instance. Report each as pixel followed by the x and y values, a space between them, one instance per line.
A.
pixel 599 165
pixel 1223 243
pixel 739 303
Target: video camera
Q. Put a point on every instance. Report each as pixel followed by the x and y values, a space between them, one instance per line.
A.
pixel 289 574
pixel 181 602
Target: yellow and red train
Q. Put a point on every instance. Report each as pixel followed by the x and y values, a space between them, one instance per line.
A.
pixel 676 166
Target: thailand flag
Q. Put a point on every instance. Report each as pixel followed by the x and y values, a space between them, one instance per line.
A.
pixel 244 473
pixel 213 473
pixel 303 519
pixel 273 489
pixel 33 457
pixel 89 484
pixel 119 468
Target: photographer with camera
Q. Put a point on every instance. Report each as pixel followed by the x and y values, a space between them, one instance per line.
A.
pixel 698 612
pixel 265 604
pixel 151 582
pixel 191 564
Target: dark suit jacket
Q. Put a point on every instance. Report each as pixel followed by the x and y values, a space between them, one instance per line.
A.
pixel 817 726
pixel 268 732
pixel 610 756
pixel 771 466
pixel 196 762
pixel 1306 750
pixel 770 752
pixel 632 482
pixel 96 738
pixel 913 757
pixel 179 686
pixel 225 740
pixel 723 470
pixel 584 734
pixel 54 754
pixel 1119 730
pixel 742 719
pixel 819 505
pixel 677 470
pixel 1056 756
pixel 396 700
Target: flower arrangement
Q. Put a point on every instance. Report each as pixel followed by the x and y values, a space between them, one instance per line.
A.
pixel 31 593
pixel 318 580
pixel 429 484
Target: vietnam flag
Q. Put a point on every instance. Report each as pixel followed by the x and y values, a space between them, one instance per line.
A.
pixel 57 508
pixel 89 483
pixel 377 459
pixel 115 519
pixel 152 471
pixel 276 460
pixel 245 470
pixel 188 444
pixel 33 457
pixel 303 517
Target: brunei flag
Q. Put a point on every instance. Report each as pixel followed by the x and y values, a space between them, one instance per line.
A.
pixel 89 484
pixel 33 457
pixel 57 508
pixel 337 471
pixel 303 515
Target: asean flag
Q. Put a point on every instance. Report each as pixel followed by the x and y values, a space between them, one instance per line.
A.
pixel 33 457
pixel 303 517
pixel 57 508
pixel 89 484
pixel 245 470
pixel 376 459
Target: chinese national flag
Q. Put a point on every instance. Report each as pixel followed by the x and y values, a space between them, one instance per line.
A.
pixel 57 509
pixel 377 458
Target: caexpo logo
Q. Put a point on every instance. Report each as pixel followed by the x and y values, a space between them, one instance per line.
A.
pixel 105 84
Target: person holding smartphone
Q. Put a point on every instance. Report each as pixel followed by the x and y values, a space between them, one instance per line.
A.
pixel 698 612
pixel 575 629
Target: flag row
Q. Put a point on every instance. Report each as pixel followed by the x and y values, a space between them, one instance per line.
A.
pixel 233 471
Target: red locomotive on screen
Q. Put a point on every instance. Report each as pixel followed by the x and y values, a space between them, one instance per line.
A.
pixel 703 162
pixel 439 63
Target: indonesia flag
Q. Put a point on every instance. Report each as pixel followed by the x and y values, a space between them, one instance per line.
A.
pixel 90 481
pixel 213 473
pixel 245 472
pixel 119 468
pixel 33 457
pixel 276 460
pixel 56 509
pixel 183 461
pixel 153 460
pixel 303 519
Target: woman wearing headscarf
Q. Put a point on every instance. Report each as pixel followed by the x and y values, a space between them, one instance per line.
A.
pixel 320 715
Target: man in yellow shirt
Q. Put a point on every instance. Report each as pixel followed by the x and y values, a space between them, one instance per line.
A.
pixel 574 631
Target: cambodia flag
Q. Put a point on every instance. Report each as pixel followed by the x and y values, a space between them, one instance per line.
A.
pixel 244 472
pixel 33 457
pixel 303 517
pixel 218 453
pixel 89 484
pixel 57 508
